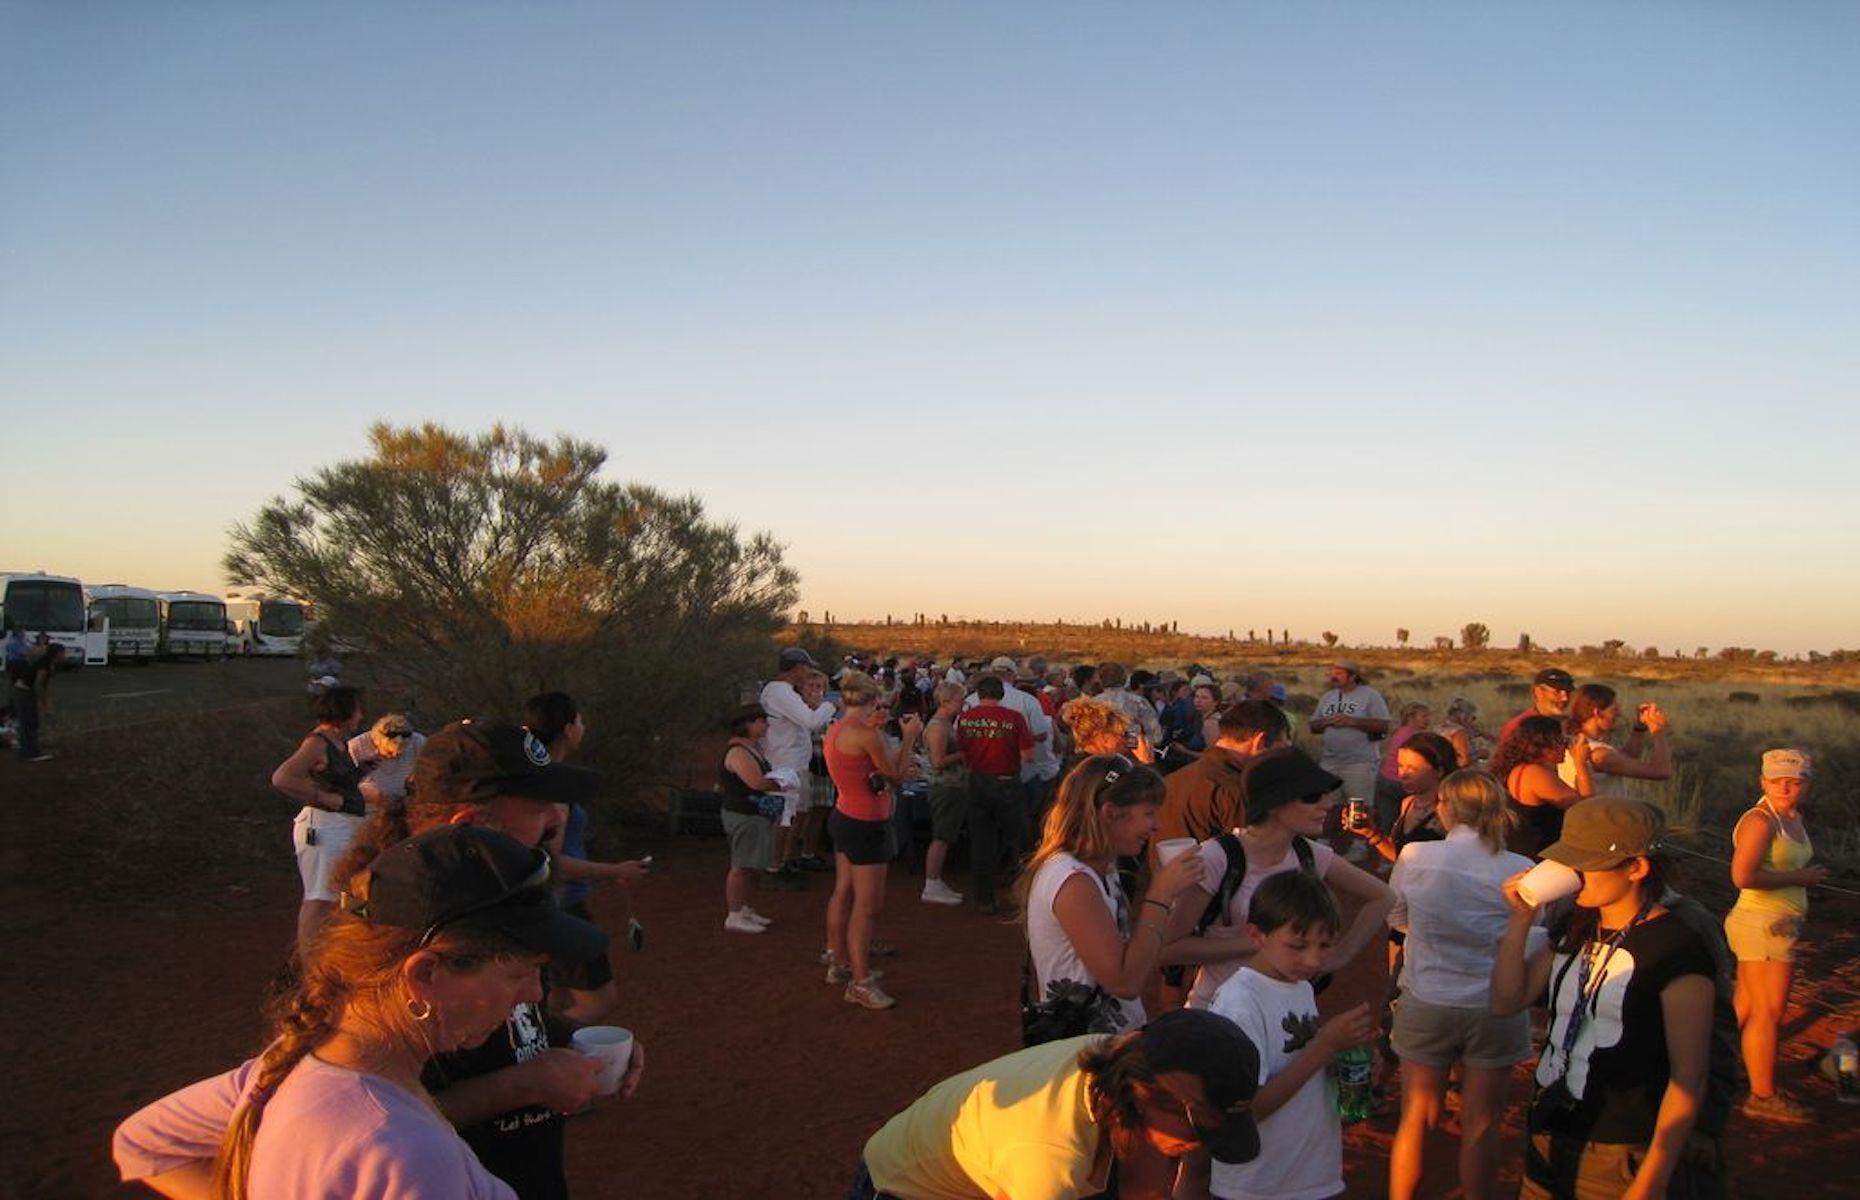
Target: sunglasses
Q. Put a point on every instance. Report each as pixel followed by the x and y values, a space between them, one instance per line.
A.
pixel 397 734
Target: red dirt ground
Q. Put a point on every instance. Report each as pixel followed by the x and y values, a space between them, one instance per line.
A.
pixel 761 1080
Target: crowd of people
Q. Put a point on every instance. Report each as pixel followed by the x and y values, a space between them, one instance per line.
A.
pixel 1188 880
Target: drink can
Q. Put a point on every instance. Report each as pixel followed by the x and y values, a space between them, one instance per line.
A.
pixel 1355 814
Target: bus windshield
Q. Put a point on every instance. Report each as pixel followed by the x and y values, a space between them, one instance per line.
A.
pixel 128 612
pixel 281 620
pixel 45 606
pixel 197 614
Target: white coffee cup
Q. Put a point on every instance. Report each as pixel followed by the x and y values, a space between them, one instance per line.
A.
pixel 613 1046
pixel 1172 848
pixel 1548 882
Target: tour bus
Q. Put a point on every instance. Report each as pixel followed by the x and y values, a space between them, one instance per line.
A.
pixel 193 625
pixel 134 616
pixel 266 624
pixel 49 604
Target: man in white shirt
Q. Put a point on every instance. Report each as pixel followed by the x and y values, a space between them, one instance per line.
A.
pixel 1352 716
pixel 796 704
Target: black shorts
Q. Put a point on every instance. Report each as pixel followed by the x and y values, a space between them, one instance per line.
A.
pixel 865 843
pixel 582 976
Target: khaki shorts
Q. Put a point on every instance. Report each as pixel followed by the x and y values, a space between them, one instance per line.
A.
pixel 749 839
pixel 949 803
pixel 1435 1035
pixel 1762 934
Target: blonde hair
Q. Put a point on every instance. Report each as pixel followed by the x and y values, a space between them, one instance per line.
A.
pixel 947 691
pixel 858 689
pixel 1097 727
pixel 1476 800
pixel 1461 711
pixel 1412 707
pixel 1072 824
pixel 349 966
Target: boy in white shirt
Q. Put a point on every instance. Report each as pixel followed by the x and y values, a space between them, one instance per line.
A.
pixel 1293 920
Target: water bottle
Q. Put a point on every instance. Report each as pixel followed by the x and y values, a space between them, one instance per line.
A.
pixel 1846 1070
pixel 1356 1099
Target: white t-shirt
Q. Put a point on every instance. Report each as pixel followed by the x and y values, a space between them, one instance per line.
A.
pixel 1213 866
pixel 1350 745
pixel 789 741
pixel 1053 955
pixel 1301 1144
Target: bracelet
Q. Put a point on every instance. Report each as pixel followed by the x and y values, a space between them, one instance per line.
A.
pixel 1168 907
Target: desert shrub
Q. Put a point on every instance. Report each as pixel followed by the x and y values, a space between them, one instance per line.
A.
pixel 481 569
pixel 1514 688
pixel 1744 698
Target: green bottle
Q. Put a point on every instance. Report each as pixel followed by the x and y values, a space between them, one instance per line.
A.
pixel 1356 1099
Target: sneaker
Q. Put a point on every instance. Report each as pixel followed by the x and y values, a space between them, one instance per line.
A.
pixel 938 892
pixel 740 922
pixel 838 973
pixel 1778 1106
pixel 880 949
pixel 867 994
pixel 40 758
pixel 757 917
pixel 812 862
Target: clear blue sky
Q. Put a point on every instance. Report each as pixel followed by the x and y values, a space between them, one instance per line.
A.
pixel 1341 316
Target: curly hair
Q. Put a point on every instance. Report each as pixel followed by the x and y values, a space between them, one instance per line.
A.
pixel 1533 738
pixel 1097 727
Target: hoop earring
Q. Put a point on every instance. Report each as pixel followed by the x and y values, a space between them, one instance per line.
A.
pixel 420 1010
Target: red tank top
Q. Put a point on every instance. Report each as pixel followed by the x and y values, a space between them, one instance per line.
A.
pixel 848 771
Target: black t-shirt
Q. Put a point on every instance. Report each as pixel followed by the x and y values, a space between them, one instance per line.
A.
pixel 1617 1071
pixel 522 1148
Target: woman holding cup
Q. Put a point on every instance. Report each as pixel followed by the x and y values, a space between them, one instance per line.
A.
pixel 1425 760
pixel 1623 1066
pixel 437 939
pixel 1450 902
pixel 863 768
pixel 1081 929
pixel 1770 866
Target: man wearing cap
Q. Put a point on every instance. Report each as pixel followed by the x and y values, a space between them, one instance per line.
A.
pixel 796 704
pixel 1352 716
pixel 1550 695
pixel 507 1096
pixel 1080 1117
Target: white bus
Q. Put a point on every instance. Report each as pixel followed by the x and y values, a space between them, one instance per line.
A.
pixel 193 625
pixel 134 615
pixel 49 604
pixel 266 624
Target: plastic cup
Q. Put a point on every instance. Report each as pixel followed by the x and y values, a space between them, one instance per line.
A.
pixel 1172 848
pixel 1548 882
pixel 613 1046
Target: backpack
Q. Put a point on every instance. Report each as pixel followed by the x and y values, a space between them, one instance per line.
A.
pixel 1229 887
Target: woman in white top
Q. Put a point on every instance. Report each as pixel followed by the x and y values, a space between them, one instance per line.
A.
pixel 1079 925
pixel 386 754
pixel 1450 901
pixel 1594 712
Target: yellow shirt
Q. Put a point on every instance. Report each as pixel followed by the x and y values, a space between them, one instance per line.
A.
pixel 1019 1127
pixel 1785 854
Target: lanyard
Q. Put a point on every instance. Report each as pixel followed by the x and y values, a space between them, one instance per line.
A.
pixel 1588 994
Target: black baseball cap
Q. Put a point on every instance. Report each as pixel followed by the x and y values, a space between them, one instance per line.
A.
pixel 1280 777
pixel 1555 677
pixel 473 761
pixel 1209 1046
pixel 464 873
pixel 796 656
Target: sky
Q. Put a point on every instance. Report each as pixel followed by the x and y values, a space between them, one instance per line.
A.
pixel 1328 316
